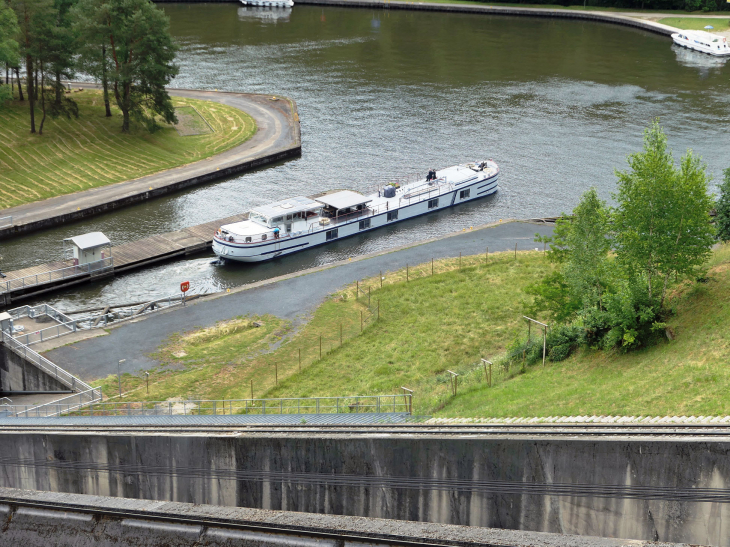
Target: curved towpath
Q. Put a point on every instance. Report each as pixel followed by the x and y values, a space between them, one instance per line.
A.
pixel 289 297
pixel 630 19
pixel 277 137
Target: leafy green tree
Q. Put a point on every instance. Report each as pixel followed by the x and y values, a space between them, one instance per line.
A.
pixel 9 51
pixel 141 53
pixel 92 35
pixel 581 245
pixel 662 222
pixel 35 19
pixel 722 217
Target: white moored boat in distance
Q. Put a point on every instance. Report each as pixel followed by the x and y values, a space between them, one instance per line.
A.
pixel 301 223
pixel 702 41
pixel 268 3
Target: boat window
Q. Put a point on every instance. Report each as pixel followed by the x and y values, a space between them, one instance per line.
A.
pixel 277 219
pixel 331 234
pixel 248 239
pixel 263 237
pixel 465 194
pixel 433 203
pixel 392 215
pixel 258 218
pixel 365 224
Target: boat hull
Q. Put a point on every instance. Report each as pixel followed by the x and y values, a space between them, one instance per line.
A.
pixel 288 245
pixel 706 49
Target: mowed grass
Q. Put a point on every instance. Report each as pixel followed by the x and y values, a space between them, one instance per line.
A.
pixel 431 324
pixel 696 23
pixel 688 376
pixel 88 152
pixel 426 325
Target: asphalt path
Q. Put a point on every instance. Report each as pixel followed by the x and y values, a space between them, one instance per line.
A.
pixel 290 297
pixel 275 131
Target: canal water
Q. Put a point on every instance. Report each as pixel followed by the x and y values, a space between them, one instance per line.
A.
pixel 386 94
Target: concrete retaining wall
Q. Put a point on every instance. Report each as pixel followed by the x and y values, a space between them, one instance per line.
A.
pixel 601 17
pixel 17 375
pixel 197 469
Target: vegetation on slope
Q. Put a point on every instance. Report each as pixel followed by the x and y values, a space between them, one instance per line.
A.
pixel 696 23
pixel 89 151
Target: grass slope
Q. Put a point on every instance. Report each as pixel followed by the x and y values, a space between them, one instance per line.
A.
pixel 696 23
pixel 427 325
pixel 449 321
pixel 688 376
pixel 78 154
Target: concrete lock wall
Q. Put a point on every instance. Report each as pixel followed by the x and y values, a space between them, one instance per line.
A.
pixel 195 469
pixel 17 375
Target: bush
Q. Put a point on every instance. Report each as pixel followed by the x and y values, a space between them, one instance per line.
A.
pixel 564 340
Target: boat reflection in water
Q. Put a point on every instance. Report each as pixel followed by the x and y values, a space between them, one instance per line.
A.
pixel 264 14
pixel 701 61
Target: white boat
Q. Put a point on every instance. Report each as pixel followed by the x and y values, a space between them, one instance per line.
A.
pixel 301 223
pixel 269 3
pixel 702 41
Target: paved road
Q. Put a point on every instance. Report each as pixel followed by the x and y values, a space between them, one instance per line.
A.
pixel 276 131
pixel 289 298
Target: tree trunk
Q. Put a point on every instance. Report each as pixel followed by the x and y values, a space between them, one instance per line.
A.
pixel 59 90
pixel 20 89
pixel 105 83
pixel 31 94
pixel 43 100
pixel 35 85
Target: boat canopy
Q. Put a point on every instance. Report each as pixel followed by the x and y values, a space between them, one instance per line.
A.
pixel 345 199
pixel 286 207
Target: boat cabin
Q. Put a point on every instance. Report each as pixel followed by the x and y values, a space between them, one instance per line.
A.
pixel 288 215
pixel 87 248
pixel 343 204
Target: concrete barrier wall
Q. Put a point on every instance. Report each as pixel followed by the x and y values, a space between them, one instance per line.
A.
pixel 196 469
pixel 18 375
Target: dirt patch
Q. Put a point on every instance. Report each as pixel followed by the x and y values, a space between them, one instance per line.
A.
pixel 191 122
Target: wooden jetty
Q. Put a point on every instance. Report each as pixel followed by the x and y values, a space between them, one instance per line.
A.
pixel 43 278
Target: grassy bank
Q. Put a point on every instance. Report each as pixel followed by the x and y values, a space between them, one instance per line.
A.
pixel 696 23
pixel 428 325
pixel 78 154
pixel 425 325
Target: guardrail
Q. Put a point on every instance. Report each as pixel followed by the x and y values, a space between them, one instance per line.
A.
pixel 90 268
pixel 44 364
pixel 6 221
pixel 67 325
pixel 66 405
pixel 402 403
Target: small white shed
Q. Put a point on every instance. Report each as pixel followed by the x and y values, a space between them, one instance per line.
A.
pixel 87 248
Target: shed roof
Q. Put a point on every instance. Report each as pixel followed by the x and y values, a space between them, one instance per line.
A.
pixel 286 207
pixel 90 241
pixel 344 199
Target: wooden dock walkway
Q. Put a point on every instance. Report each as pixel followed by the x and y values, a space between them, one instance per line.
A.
pixel 43 278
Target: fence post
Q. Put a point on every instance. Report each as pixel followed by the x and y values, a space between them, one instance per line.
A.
pixel 357 289
pixel 252 389
pixel 320 346
pixel 407 273
pixel 381 279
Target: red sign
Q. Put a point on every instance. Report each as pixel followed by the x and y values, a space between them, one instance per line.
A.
pixel 184 286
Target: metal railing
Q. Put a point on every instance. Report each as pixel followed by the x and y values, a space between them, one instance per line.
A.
pixel 90 268
pixel 6 221
pixel 44 364
pixel 66 405
pixel 401 403
pixel 67 325
pixel 36 311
